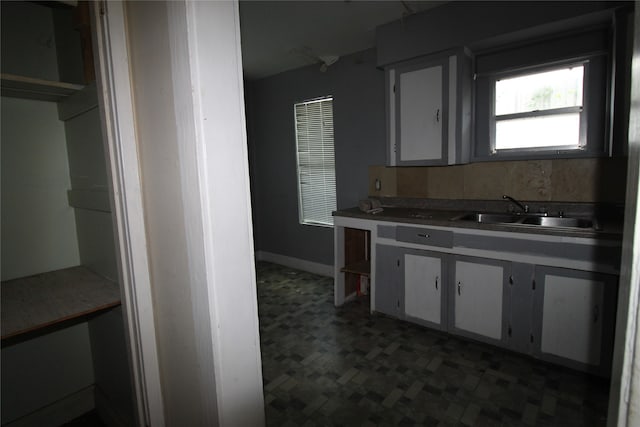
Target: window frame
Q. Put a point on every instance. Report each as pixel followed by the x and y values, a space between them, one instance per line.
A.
pixel 593 46
pixel 582 110
pixel 301 211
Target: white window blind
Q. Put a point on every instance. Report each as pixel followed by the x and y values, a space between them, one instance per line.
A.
pixel 316 161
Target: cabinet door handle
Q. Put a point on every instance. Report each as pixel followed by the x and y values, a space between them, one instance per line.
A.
pixel 458 288
pixel 436 283
pixel 511 280
pixel 426 236
pixel 438 115
pixel 596 313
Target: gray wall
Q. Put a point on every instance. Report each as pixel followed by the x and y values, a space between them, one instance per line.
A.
pixel 69 50
pixel 38 226
pixel 28 40
pixel 359 137
pixel 88 175
pixel 483 24
pixel 42 371
pixel 38 230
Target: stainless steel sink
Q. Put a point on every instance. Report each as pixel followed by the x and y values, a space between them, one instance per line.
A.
pixel 553 221
pixel 489 218
pixel 539 220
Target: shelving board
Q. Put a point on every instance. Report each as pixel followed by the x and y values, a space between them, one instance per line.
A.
pixel 362 268
pixel 36 302
pixel 15 86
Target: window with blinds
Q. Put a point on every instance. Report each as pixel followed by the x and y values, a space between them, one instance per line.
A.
pixel 316 161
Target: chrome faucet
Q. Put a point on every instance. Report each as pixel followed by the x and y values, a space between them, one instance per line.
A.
pixel 525 208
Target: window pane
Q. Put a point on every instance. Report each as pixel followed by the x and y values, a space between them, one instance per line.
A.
pixel 541 131
pixel 316 163
pixel 540 91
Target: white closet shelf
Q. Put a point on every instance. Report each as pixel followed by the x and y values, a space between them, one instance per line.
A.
pixel 46 299
pixel 30 88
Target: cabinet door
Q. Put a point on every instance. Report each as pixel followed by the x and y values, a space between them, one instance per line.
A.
pixel 419 96
pixel 479 299
pixel 387 294
pixel 572 309
pixel 423 293
pixel 429 110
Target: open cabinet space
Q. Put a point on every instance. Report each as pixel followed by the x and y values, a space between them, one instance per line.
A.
pixel 64 350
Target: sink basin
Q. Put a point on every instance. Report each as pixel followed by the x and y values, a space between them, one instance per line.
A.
pixel 552 221
pixel 489 218
pixel 531 219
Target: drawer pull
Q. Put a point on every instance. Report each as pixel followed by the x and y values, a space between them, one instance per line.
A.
pixel 425 236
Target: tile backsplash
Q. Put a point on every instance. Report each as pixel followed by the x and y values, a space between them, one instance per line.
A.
pixel 566 180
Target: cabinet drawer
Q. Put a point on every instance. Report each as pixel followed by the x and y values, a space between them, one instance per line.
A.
pixel 425 236
pixel 387 231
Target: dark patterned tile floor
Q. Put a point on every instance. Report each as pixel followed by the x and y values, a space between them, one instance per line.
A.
pixel 328 366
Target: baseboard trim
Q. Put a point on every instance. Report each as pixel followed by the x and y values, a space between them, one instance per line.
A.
pixel 59 412
pixel 297 263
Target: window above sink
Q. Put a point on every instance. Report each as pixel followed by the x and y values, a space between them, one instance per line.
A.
pixel 546 99
pixel 539 110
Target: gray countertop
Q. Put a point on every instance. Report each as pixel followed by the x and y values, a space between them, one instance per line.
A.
pixel 607 230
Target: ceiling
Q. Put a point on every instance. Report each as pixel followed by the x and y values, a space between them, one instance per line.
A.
pixel 283 35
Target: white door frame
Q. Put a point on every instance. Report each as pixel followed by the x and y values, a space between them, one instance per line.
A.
pixel 116 107
pixel 214 210
pixel 624 400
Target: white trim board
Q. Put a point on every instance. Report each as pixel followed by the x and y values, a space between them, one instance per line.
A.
pixel 115 96
pixel 297 263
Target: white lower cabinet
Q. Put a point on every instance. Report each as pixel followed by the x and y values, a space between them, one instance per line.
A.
pixel 556 314
pixel 574 310
pixel 423 288
pixel 478 298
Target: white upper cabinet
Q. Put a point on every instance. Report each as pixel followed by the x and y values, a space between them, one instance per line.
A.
pixel 420 120
pixel 429 110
